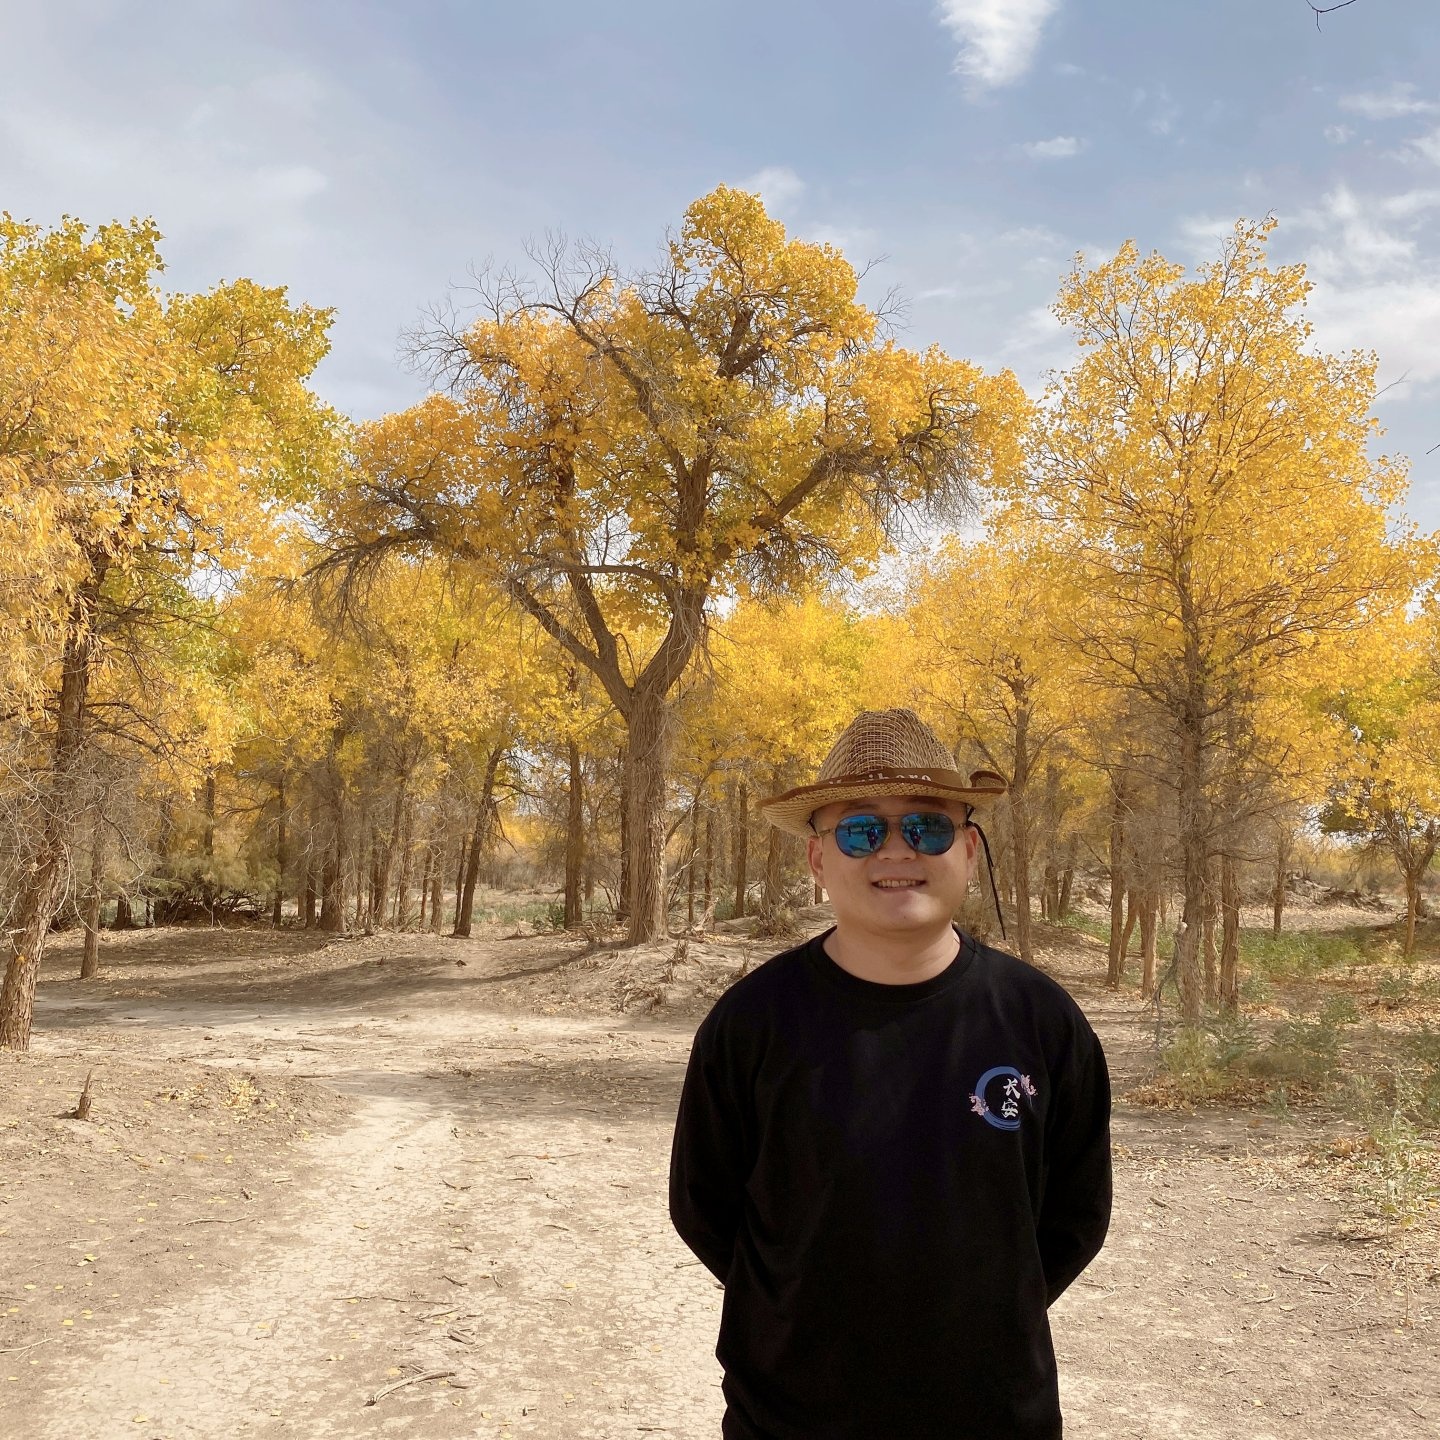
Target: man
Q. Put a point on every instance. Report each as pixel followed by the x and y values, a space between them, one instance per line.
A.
pixel 893 1142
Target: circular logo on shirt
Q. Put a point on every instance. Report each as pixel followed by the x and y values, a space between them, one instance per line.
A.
pixel 997 1095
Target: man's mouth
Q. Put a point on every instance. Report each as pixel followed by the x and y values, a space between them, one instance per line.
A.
pixel 897 884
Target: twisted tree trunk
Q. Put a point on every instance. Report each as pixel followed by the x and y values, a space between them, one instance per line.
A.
pixel 43 877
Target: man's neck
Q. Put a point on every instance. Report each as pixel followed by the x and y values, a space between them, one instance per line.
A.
pixel 890 959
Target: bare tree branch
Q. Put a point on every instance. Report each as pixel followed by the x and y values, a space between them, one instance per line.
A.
pixel 1326 9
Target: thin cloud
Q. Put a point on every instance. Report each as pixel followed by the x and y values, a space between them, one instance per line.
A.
pixel 777 185
pixel 1355 243
pixel 1427 147
pixel 1392 104
pixel 998 38
pixel 1397 319
pixel 1062 147
pixel 1161 110
pixel 1374 288
pixel 1203 235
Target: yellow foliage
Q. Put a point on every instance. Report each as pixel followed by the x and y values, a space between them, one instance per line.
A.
pixel 1220 530
pixel 788 676
pixel 139 434
pixel 621 451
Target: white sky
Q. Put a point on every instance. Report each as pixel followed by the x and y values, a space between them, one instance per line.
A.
pixel 368 153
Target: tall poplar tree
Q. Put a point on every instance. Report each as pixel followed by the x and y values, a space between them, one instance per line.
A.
pixel 623 447
pixel 1204 472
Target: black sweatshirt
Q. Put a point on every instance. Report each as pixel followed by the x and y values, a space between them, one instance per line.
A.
pixel 893 1182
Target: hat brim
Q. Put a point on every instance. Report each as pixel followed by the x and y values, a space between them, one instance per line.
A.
pixel 791 810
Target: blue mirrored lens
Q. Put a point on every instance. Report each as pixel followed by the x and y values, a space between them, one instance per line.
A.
pixel 924 832
pixel 861 834
pixel 928 834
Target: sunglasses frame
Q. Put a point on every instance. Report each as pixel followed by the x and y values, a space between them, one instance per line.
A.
pixel 896 824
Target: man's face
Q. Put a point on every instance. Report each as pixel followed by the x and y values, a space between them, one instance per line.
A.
pixel 897 889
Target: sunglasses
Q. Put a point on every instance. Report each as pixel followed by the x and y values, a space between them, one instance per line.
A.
pixel 926 832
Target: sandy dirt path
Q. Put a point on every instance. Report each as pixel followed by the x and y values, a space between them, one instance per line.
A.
pixel 488 1209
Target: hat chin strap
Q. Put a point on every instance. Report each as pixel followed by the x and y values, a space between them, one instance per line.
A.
pixel 990 870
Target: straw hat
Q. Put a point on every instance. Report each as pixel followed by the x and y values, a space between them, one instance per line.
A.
pixel 882 752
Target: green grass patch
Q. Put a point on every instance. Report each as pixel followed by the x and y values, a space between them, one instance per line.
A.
pixel 1087 925
pixel 542 914
pixel 1326 1055
pixel 1300 954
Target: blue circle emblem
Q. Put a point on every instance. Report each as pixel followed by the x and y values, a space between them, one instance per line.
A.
pixel 1008 1117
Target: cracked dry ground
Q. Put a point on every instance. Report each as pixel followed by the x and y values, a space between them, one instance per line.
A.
pixel 315 1175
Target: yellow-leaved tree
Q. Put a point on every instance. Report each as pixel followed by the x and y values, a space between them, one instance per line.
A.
pixel 145 439
pixel 1387 785
pixel 617 447
pixel 1204 473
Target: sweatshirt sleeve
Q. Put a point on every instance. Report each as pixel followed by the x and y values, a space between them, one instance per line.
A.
pixel 708 1166
pixel 1075 1209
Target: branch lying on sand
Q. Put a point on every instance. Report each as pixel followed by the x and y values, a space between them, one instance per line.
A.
pixel 385 1390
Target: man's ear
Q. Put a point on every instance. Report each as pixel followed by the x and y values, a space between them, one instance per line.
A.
pixel 814 852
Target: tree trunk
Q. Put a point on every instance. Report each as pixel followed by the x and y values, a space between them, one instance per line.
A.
pixel 484 827
pixel 1062 900
pixel 574 838
pixel 1412 910
pixel 1212 969
pixel 437 880
pixel 647 754
pixel 1050 878
pixel 1193 839
pixel 461 867
pixel 708 900
pixel 1277 893
pixel 212 879
pixel 124 913
pixel 772 889
pixel 1020 832
pixel 407 868
pixel 742 845
pixel 427 873
pixel 94 893
pixel 42 879
pixel 465 906
pixel 1149 906
pixel 282 858
pixel 336 857
pixel 1230 934
pixel 1413 854
pixel 310 899
pixel 209 840
pixel 383 866
pixel 1132 911
pixel 1116 967
pixel 332 895
pixel 626 884
pixel 693 864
